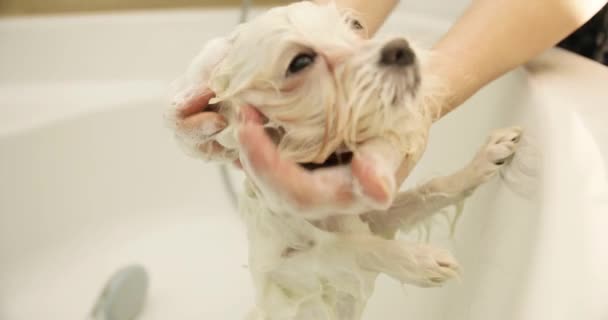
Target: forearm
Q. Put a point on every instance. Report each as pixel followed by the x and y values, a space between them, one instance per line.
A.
pixel 495 36
pixel 491 38
pixel 372 13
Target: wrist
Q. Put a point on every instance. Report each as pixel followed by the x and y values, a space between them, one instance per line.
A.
pixel 453 79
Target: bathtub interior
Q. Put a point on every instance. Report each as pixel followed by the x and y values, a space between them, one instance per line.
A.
pixel 101 200
pixel 92 180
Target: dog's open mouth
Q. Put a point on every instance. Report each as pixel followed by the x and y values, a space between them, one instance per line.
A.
pixel 340 157
pixel 337 158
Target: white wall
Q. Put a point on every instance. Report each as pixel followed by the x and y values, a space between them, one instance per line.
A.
pixel 447 9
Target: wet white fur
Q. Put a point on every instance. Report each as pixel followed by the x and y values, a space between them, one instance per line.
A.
pixel 325 268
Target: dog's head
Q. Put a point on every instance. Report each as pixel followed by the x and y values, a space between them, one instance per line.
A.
pixel 312 73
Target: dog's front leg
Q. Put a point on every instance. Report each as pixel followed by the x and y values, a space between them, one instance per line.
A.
pixel 417 264
pixel 415 205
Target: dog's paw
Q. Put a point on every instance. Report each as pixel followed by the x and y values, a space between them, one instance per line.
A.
pixel 425 266
pixel 496 152
pixel 433 267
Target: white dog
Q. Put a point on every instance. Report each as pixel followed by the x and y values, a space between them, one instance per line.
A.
pixel 326 92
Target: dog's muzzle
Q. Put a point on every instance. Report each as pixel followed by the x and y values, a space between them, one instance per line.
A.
pixel 398 70
pixel 397 53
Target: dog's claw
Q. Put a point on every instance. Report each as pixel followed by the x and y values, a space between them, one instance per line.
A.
pixel 498 150
pixel 431 267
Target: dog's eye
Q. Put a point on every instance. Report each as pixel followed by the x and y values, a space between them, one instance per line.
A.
pixel 356 25
pixel 300 62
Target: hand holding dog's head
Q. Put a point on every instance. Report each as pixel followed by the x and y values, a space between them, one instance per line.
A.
pixel 311 72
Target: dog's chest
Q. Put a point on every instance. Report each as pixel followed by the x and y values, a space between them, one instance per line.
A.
pixel 298 271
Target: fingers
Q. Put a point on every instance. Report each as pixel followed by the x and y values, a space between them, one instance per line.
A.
pixel 192 119
pixel 196 125
pixel 249 114
pixel 374 166
pixel 194 104
pixel 284 178
pixel 377 187
pixel 211 147
pixel 204 123
pixel 264 160
pixel 368 183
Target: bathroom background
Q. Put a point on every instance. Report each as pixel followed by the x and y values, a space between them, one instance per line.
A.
pixel 591 40
pixel 91 181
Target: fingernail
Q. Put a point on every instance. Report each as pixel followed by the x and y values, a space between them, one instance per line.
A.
pixel 210 128
pixel 384 191
pixel 248 115
pixel 221 123
pixel 386 186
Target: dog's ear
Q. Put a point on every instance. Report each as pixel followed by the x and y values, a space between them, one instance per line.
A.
pixel 196 78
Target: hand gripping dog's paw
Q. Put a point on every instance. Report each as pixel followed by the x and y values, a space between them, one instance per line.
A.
pixel 496 152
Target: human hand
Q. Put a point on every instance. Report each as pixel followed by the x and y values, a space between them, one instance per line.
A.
pixel 368 183
pixel 197 123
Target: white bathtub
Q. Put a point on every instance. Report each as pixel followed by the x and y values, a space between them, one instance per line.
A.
pixel 90 181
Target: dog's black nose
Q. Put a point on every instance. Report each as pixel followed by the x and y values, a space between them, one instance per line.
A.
pixel 397 53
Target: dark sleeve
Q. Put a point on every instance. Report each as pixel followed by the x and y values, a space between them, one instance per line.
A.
pixel 591 40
